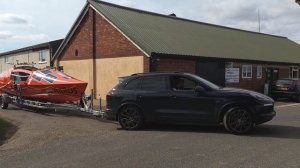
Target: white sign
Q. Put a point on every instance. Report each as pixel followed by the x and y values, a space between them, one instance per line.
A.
pixel 232 75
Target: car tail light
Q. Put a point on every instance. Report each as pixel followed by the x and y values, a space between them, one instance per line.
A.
pixel 109 95
pixel 295 83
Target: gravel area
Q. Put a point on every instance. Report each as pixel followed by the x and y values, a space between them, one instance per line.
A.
pixel 38 128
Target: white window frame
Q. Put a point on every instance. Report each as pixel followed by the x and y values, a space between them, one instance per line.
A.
pixel 6 59
pixel 259 70
pixel 292 70
pixel 246 69
pixel 42 54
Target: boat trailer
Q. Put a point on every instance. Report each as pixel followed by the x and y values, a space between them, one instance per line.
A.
pixel 85 104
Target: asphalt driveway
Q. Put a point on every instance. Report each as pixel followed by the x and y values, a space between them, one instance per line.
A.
pixel 75 140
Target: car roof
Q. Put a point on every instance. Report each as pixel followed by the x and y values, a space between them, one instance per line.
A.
pixel 159 73
pixel 151 74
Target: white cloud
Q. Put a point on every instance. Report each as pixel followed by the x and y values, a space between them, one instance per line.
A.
pixel 10 18
pixel 27 22
pixel 5 34
pixel 32 37
pixel 128 3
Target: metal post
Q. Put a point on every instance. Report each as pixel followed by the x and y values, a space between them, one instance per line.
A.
pixel 92 99
pixel 100 108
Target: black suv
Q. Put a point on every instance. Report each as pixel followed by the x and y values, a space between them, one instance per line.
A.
pixel 184 98
pixel 286 88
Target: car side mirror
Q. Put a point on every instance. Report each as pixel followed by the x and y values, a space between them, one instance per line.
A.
pixel 199 89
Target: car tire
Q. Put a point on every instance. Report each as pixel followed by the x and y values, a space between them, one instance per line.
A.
pixel 3 102
pixel 238 120
pixel 131 118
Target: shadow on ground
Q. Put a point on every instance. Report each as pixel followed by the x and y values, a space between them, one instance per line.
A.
pixel 7 130
pixel 263 131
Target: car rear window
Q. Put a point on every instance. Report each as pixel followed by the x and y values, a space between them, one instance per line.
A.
pixel 284 82
pixel 133 84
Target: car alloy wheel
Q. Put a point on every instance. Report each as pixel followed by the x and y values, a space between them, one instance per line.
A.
pixel 238 120
pixel 130 118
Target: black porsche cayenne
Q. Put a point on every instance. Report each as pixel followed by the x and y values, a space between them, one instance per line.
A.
pixel 184 98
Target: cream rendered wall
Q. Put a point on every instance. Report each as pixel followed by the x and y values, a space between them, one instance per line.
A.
pixel 108 71
pixel 25 57
pixel 78 69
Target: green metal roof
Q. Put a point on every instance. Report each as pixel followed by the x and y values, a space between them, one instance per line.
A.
pixel 156 33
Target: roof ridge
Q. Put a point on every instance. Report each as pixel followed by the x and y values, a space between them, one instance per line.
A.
pixel 29 47
pixel 182 19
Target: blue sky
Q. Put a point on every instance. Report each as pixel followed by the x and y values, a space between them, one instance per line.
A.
pixel 24 23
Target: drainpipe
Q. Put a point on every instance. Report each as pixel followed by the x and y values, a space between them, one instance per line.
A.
pixel 94 53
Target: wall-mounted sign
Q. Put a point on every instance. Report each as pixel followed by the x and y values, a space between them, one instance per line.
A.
pixel 232 75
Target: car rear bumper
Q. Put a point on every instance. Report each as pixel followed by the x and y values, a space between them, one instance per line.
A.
pixel 284 94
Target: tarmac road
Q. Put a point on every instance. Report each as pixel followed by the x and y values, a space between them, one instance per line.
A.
pixel 85 142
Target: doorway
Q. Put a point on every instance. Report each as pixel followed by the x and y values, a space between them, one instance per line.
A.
pixel 272 75
pixel 214 71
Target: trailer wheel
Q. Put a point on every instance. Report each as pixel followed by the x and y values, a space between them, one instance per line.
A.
pixel 3 102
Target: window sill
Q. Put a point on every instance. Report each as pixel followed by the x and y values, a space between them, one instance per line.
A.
pixel 44 62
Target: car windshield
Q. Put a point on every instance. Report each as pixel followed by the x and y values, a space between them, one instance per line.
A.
pixel 206 82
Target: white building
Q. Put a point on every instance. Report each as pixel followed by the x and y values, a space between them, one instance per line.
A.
pixel 39 55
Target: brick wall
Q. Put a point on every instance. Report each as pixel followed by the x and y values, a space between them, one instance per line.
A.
pixel 109 42
pixel 174 65
pixel 255 83
pixel 81 41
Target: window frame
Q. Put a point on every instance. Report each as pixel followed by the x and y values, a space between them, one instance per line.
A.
pixel 293 69
pixel 6 59
pixel 251 72
pixel 257 72
pixel 42 54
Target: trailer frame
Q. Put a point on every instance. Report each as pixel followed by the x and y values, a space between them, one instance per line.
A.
pixel 85 105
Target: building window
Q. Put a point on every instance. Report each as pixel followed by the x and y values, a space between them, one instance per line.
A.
pixel 42 57
pixel 294 72
pixel 247 71
pixel 259 72
pixel 61 68
pixel 76 53
pixel 6 59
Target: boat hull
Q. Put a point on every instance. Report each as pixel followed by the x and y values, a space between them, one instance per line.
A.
pixel 44 85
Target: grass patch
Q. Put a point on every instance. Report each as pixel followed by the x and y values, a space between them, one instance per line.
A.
pixel 6 130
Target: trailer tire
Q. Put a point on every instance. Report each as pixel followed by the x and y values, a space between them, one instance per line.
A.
pixel 3 101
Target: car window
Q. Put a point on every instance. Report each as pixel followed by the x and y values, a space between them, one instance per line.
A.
pixel 154 83
pixel 182 83
pixel 133 84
